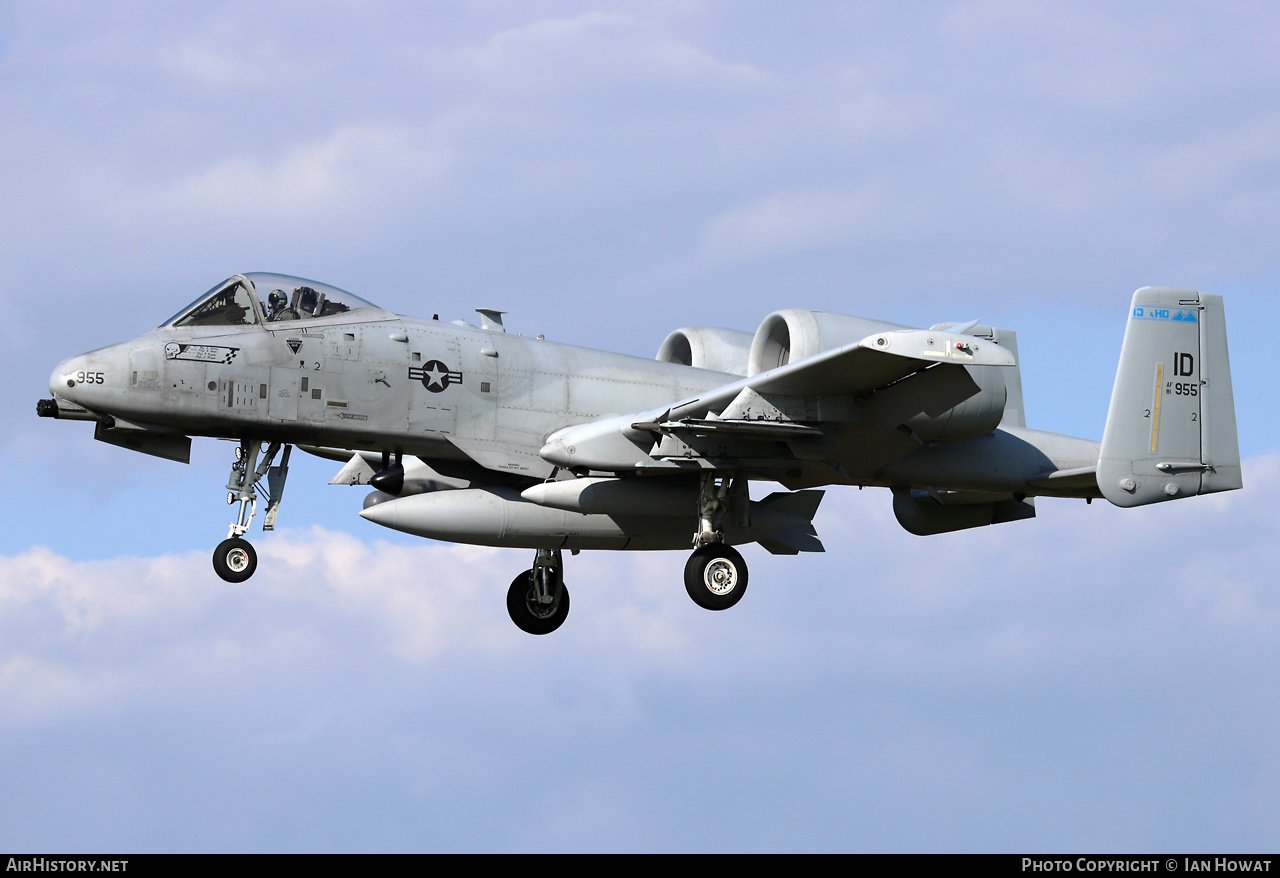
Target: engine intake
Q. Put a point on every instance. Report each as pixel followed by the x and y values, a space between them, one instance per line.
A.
pixel 705 347
pixel 793 334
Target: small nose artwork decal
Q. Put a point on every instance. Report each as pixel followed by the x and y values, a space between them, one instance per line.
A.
pixel 200 353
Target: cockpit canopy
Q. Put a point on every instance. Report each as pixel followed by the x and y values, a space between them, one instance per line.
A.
pixel 261 297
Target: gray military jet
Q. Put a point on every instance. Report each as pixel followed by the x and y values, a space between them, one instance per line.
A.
pixel 471 434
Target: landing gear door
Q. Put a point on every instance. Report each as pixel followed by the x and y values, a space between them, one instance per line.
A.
pixel 282 401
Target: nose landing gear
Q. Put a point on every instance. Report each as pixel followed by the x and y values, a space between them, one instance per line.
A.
pixel 235 559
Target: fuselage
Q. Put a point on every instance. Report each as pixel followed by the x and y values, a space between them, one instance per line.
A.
pixel 369 380
pixel 375 381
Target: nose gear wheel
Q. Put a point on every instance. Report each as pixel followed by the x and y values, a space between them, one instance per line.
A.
pixel 235 560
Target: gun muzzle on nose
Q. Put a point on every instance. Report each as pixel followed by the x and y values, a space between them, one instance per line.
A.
pixel 64 410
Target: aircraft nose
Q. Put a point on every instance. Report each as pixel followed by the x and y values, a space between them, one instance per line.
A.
pixel 62 382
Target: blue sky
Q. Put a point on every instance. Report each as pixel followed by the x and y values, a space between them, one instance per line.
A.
pixel 1093 679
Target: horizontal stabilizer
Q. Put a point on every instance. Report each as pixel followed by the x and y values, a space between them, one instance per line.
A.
pixel 1076 479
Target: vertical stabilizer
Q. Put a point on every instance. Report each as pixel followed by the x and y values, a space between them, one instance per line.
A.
pixel 1015 413
pixel 1171 428
pixel 1220 448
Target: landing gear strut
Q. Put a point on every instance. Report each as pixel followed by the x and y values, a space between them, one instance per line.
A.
pixel 537 600
pixel 235 560
pixel 715 575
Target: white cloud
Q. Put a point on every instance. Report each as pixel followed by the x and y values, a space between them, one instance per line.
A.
pixel 324 184
pixel 786 222
pixel 1225 159
pixel 224 63
pixel 592 49
pixel 912 670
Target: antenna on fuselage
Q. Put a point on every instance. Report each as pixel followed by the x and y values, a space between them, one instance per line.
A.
pixel 491 319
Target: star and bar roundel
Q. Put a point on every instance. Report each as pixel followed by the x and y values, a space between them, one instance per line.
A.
pixel 435 375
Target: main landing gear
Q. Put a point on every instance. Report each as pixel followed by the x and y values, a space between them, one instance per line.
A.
pixel 537 600
pixel 715 575
pixel 235 560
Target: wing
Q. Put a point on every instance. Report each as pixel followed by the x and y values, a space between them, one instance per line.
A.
pixel 848 403
pixel 866 366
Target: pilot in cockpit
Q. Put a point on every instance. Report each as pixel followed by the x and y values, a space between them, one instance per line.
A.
pixel 278 307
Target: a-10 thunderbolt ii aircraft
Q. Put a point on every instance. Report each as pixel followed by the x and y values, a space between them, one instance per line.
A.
pixel 471 434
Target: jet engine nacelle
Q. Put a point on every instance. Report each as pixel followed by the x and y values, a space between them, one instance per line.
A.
pixel 976 416
pixel 793 334
pixel 721 350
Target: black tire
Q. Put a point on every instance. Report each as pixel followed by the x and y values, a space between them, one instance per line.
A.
pixel 530 617
pixel 715 576
pixel 235 560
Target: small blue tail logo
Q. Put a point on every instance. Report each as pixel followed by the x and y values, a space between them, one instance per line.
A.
pixel 1177 315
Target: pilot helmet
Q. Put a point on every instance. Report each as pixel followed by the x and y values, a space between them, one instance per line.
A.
pixel 276 300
